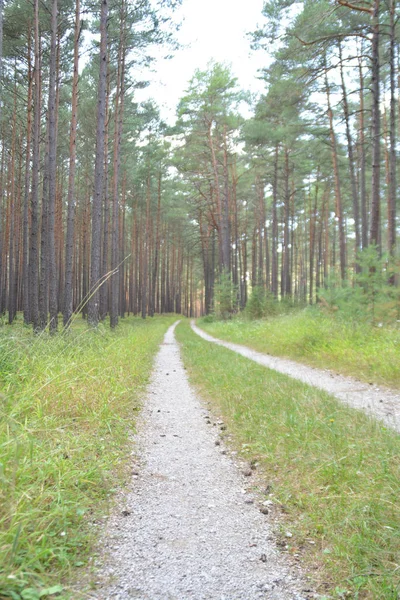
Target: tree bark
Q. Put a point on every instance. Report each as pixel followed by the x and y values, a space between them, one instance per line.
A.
pixel 350 151
pixel 338 195
pixel 69 247
pixel 363 187
pixel 274 236
pixel 25 234
pixel 376 128
pixel 93 303
pixel 34 236
pixel 392 139
pixel 52 116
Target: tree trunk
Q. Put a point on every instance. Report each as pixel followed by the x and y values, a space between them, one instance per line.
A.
pixel 392 139
pixel 69 247
pixel 25 234
pixel 338 195
pixel 376 128
pixel 34 237
pixel 353 181
pixel 93 304
pixel 363 187
pixel 156 248
pixel 53 300
pixel 12 213
pixel 274 236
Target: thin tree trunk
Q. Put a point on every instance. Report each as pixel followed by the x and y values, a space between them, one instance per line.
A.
pixel 144 298
pixel 392 138
pixel 376 128
pixel 53 300
pixel 353 181
pixel 363 187
pixel 225 229
pixel 105 229
pixel 34 236
pixel 12 213
pixel 93 304
pixel 157 247
pixel 338 195
pixel 286 282
pixel 69 247
pixel 274 236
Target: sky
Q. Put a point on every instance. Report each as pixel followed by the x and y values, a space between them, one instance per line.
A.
pixel 211 29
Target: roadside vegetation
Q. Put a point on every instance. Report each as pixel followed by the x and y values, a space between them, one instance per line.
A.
pixel 68 405
pixel 354 329
pixel 354 348
pixel 332 471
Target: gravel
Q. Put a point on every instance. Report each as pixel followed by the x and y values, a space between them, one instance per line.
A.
pixel 188 527
pixel 377 401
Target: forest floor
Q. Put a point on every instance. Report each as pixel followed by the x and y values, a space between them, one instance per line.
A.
pixel 190 525
pixel 377 400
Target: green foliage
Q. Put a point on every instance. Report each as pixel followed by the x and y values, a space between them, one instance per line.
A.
pixel 225 297
pixel 260 304
pixel 333 469
pixel 372 298
pixel 67 406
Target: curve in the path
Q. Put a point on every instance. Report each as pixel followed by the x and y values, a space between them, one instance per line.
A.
pixel 379 402
pixel 189 530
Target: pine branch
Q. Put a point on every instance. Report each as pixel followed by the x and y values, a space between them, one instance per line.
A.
pixel 355 7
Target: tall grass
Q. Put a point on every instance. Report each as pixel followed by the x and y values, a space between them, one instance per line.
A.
pixel 68 404
pixel 333 470
pixel 353 348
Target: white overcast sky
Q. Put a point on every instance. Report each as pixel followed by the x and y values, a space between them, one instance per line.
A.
pixel 211 29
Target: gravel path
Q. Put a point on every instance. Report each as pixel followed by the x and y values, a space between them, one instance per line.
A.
pixel 380 402
pixel 191 530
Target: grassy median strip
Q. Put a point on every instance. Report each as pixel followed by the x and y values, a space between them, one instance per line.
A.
pixel 68 404
pixel 334 470
pixel 352 348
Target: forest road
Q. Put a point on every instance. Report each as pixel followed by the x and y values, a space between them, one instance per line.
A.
pixel 191 530
pixel 377 401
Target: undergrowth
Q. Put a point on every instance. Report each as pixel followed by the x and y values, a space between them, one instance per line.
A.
pixel 323 340
pixel 333 470
pixel 68 404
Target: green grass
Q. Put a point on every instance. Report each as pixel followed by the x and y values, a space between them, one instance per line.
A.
pixel 333 470
pixel 67 406
pixel 370 353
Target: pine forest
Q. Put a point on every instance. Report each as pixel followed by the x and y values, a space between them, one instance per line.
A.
pixel 199 299
pixel 107 211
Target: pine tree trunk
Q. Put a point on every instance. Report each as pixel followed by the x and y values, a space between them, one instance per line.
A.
pixel 286 283
pixel 52 266
pixel 338 195
pixel 353 181
pixel 144 299
pixel 44 242
pixel 34 236
pixel 157 247
pixel 25 234
pixel 363 187
pixel 12 201
pixel 274 237
pixel 69 247
pixel 392 139
pixel 376 128
pixel 93 304
pixel 225 228
pixel 105 231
